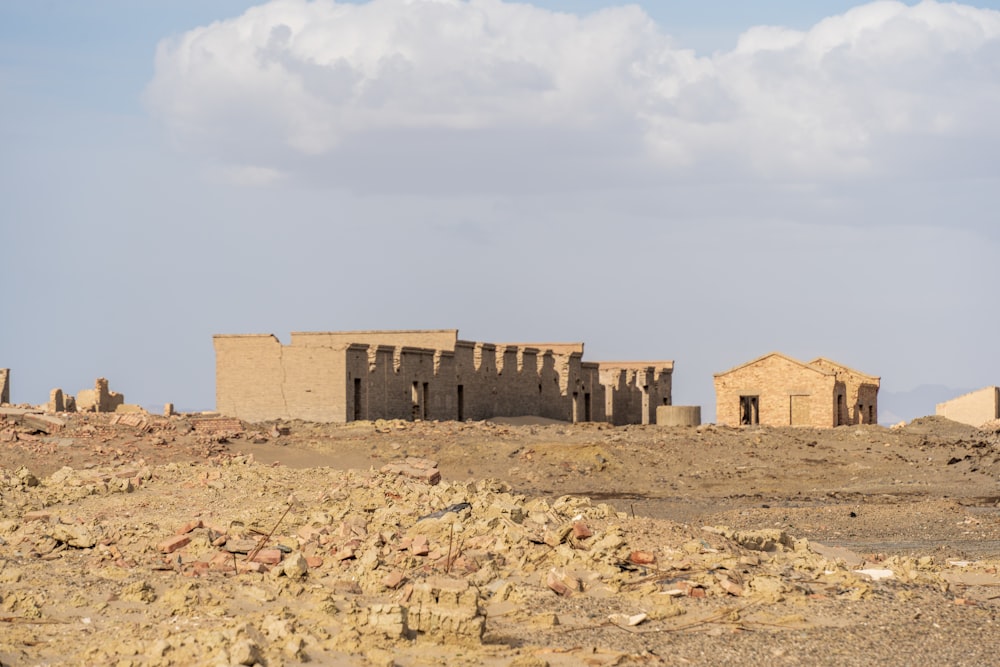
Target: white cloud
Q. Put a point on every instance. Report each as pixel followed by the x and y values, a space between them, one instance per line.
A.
pixel 410 94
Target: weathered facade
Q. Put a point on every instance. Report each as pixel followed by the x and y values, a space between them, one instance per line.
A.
pixel 428 374
pixel 4 385
pixel 975 408
pixel 777 390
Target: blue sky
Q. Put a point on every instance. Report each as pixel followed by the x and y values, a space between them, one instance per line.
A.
pixel 704 183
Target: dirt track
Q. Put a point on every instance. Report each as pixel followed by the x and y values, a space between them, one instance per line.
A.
pixel 920 502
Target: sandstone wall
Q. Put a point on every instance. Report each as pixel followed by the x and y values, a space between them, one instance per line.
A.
pixel 975 408
pixel 249 377
pixel 860 391
pixel 323 377
pixel 433 339
pixel 634 390
pixel 4 385
pixel 98 399
pixel 788 393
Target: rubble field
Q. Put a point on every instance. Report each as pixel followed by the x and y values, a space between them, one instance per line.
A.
pixel 133 539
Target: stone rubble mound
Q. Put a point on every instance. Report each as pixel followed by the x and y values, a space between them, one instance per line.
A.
pixel 235 563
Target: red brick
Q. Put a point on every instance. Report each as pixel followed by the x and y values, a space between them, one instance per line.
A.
pixel 174 543
pixel 189 526
pixel 268 556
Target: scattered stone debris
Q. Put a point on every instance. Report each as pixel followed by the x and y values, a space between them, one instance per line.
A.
pixel 219 426
pixel 423 469
pixel 354 562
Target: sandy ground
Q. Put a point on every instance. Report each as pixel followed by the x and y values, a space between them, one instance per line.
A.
pixel 920 502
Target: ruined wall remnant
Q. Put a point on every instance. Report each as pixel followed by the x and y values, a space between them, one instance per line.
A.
pixel 4 386
pixel 347 376
pixel 98 399
pixel 975 408
pixel 56 401
pixel 858 403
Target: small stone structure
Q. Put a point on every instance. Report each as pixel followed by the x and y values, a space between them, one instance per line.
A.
pixel 428 374
pixel 678 415
pixel 777 390
pixel 4 386
pixel 975 408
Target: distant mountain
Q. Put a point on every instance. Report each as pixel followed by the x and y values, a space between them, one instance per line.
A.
pixel 897 406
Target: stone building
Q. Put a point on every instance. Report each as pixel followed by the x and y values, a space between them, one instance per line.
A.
pixel 975 408
pixel 4 385
pixel 429 374
pixel 777 390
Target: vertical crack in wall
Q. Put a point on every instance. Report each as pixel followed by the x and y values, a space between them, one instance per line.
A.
pixel 284 378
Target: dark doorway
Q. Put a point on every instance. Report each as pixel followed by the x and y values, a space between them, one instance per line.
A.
pixel 749 410
pixel 461 403
pixel 586 407
pixel 357 399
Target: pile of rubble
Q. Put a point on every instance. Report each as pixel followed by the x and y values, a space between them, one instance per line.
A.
pixel 238 563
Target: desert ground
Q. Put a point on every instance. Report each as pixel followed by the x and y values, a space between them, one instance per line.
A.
pixel 147 540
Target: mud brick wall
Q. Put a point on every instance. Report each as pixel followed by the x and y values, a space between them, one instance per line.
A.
pixel 432 339
pixel 860 392
pixel 332 377
pixel 975 408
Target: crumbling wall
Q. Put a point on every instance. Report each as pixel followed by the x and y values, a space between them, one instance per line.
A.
pixel 98 399
pixel 322 377
pixel 975 408
pixel 634 390
pixel 860 392
pixel 56 401
pixel 4 386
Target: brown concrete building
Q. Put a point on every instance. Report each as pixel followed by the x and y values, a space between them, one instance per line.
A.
pixel 429 374
pixel 975 408
pixel 777 390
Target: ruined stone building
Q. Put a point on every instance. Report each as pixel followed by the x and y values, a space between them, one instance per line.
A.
pixel 975 408
pixel 430 374
pixel 4 385
pixel 777 390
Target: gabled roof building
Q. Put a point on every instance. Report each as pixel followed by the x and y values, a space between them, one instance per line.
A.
pixel 777 390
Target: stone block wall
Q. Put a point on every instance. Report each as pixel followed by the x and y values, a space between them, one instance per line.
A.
pixel 860 392
pixel 975 408
pixel 326 377
pixel 98 399
pixel 4 385
pixel 431 339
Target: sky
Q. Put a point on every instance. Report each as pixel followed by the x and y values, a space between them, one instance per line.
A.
pixel 699 182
